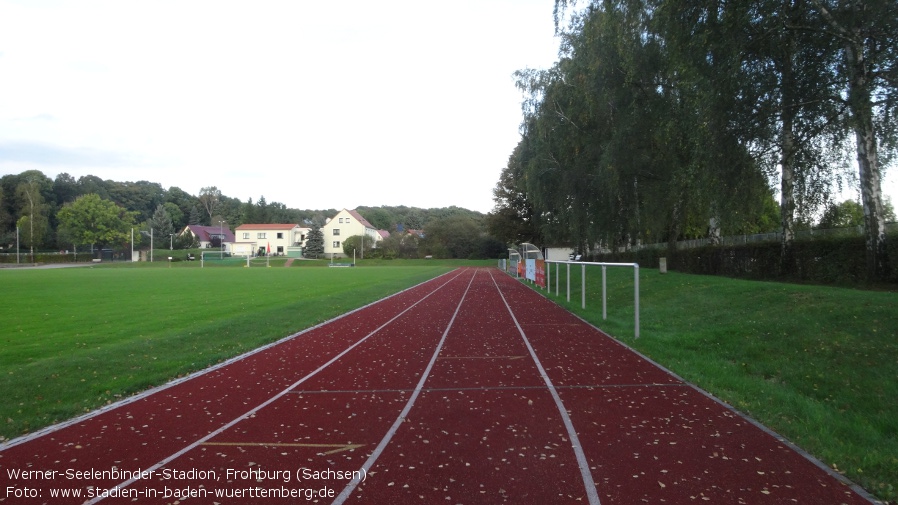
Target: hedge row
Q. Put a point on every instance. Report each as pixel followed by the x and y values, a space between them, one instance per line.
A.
pixel 835 260
pixel 44 258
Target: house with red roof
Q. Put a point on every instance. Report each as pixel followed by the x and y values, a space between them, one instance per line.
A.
pixel 210 236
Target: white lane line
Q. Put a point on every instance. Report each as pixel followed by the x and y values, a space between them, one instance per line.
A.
pixel 402 415
pixel 254 410
pixel 588 482
pixel 149 392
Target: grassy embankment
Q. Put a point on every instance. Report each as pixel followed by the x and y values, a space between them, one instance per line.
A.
pixel 818 365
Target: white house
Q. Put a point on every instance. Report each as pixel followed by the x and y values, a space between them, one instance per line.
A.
pixel 279 239
pixel 347 223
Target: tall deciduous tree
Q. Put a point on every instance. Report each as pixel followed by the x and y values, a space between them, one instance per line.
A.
pixel 210 199
pixel 33 222
pixel 513 218
pixel 93 220
pixel 868 34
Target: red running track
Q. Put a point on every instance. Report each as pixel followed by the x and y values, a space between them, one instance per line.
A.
pixel 469 388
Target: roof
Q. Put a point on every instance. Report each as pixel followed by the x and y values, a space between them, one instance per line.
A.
pixel 358 217
pixel 267 226
pixel 204 233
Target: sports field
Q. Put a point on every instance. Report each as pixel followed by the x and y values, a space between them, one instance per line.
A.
pixel 137 363
pixel 75 339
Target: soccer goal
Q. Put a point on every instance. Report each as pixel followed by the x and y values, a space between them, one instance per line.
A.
pixel 220 259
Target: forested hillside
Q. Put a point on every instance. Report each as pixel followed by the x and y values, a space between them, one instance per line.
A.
pixel 34 203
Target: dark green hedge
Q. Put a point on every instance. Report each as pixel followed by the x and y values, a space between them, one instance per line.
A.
pixel 836 260
pixel 45 258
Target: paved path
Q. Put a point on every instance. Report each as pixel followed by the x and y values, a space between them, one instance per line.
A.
pixel 469 388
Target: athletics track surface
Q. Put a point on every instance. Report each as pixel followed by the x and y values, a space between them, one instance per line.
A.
pixel 469 388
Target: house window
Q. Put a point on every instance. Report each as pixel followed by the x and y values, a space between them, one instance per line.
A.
pixel 336 231
pixel 280 235
pixel 336 244
pixel 261 235
pixel 347 220
pixel 246 235
pixel 341 220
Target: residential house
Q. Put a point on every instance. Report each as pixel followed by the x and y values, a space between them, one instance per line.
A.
pixel 347 223
pixel 278 239
pixel 210 236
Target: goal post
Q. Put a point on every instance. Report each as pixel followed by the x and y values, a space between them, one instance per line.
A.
pixel 217 259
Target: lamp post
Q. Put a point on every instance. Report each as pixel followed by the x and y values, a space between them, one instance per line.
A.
pixel 171 241
pixel 221 239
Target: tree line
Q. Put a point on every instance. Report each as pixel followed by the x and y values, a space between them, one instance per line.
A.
pixel 672 119
pixel 66 213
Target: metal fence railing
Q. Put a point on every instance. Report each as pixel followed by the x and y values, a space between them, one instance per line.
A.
pixel 583 265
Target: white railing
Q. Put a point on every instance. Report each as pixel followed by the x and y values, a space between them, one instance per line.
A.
pixel 583 265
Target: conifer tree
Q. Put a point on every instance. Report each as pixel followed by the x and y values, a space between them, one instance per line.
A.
pixel 314 243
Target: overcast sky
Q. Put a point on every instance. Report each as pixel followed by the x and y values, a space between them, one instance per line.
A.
pixel 313 104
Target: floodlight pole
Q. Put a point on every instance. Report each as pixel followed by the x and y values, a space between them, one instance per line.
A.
pixel 17 245
pixel 221 239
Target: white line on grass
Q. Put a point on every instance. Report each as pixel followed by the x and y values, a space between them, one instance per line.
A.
pixel 591 492
pixel 264 404
pixel 402 415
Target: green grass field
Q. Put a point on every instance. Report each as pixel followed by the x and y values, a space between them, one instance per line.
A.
pixel 818 365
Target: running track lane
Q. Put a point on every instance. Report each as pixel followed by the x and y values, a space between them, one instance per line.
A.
pixel 651 438
pixel 157 431
pixel 461 407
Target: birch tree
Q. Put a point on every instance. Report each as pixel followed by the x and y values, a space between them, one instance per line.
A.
pixel 867 32
pixel 210 199
pixel 33 222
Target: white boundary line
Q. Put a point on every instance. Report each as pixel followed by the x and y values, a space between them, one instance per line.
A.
pixel 591 493
pixel 143 394
pixel 344 495
pixel 264 404
pixel 863 493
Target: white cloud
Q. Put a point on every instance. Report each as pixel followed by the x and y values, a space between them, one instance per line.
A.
pixel 312 104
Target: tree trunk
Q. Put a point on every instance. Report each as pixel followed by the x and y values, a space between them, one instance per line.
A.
pixel 714 225
pixel 861 105
pixel 787 165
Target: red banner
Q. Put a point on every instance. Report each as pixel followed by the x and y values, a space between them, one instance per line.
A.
pixel 541 273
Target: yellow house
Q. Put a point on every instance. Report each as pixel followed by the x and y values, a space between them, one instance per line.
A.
pixel 347 223
pixel 279 239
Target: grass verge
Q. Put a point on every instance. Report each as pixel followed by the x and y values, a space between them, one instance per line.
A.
pixel 818 365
